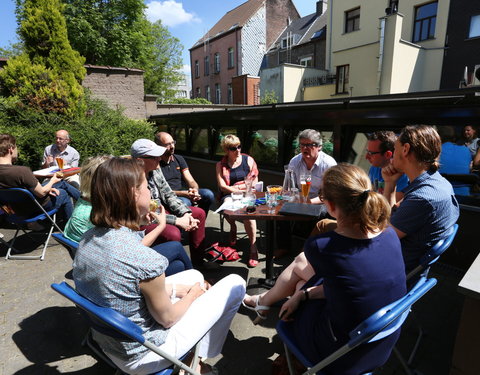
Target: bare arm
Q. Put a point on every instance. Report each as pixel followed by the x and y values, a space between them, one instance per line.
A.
pixel 161 219
pixel 41 191
pixel 222 185
pixel 289 307
pixel 476 159
pixel 159 304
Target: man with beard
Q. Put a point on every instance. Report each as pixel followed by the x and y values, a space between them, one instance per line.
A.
pixel 176 172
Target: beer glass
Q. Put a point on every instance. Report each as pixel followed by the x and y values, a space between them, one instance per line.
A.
pixel 305 182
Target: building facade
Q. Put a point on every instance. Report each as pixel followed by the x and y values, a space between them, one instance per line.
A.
pixel 235 46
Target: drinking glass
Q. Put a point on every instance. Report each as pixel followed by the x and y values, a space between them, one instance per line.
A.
pixel 271 201
pixel 237 197
pixel 305 182
pixel 59 162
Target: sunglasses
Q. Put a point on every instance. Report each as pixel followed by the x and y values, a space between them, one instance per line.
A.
pixel 308 145
pixel 373 152
pixel 235 148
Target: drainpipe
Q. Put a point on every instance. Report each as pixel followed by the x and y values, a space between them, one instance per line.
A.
pixel 380 54
pixel 329 53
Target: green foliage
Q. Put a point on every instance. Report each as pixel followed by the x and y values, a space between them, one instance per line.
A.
pixel 14 49
pixel 48 75
pixel 94 131
pixel 188 101
pixel 269 97
pixel 117 33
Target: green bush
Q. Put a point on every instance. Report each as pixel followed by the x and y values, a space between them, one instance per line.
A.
pixel 98 130
pixel 187 101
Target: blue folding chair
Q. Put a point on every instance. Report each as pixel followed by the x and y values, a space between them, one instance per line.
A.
pixel 9 199
pixel 432 255
pixel 70 245
pixel 110 322
pixel 378 326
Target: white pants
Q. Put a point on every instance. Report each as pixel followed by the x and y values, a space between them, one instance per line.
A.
pixel 209 316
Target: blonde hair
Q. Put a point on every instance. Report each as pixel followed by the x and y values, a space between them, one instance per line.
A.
pixel 349 187
pixel 230 140
pixel 89 167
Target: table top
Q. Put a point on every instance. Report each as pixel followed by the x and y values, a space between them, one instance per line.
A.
pixel 261 213
pixel 50 171
pixel 470 284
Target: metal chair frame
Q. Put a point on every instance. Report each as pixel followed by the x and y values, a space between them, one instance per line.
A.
pixel 22 220
pixel 114 324
pixel 70 245
pixel 379 325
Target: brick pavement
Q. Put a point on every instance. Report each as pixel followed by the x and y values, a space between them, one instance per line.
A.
pixel 41 332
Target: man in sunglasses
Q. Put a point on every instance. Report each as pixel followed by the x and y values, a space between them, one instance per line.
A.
pixel 176 172
pixel 380 146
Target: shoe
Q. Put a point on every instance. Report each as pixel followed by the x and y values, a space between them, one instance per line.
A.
pixel 36 226
pixel 232 241
pixel 257 308
pixel 253 261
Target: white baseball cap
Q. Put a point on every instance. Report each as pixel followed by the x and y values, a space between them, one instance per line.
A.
pixel 146 147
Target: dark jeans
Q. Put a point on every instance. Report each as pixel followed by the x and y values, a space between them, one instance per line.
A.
pixel 177 257
pixel 63 202
pixel 204 203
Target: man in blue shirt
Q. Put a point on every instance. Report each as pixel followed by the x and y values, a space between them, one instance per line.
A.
pixel 379 153
pixel 428 209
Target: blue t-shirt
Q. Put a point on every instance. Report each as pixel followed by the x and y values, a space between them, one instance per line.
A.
pixel 455 159
pixel 359 277
pixel 426 215
pixel 108 268
pixel 375 174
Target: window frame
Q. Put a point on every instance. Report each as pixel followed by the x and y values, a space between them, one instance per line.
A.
pixel 229 93
pixel 197 69
pixel 352 22
pixel 216 63
pixel 218 93
pixel 306 59
pixel 198 92
pixel 208 93
pixel 346 77
pixel 231 58
pixel 206 68
pixel 419 22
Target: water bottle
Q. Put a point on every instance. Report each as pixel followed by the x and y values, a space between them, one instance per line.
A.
pixel 288 184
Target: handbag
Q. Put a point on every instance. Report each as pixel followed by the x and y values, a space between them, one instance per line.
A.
pixel 220 254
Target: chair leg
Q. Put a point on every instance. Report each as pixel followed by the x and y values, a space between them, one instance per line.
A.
pixel 417 342
pixel 402 361
pixel 291 370
pixel 10 245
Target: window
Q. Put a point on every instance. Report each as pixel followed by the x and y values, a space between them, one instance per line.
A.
pixel 352 20
pixel 197 69
pixel 229 94
pixel 222 132
pixel 231 60
pixel 197 92
pixel 207 93
pixel 425 20
pixel 216 63
pixel 474 27
pixel 206 62
pixel 287 42
pixel 341 86
pixel 264 146
pixel 199 140
pixel 217 94
pixel 306 61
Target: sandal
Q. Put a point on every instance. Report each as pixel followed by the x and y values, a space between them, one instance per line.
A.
pixel 253 261
pixel 257 308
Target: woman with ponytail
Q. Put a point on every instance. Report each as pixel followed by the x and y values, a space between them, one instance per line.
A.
pixel 355 270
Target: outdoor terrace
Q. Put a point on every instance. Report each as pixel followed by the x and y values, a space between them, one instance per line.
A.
pixel 41 332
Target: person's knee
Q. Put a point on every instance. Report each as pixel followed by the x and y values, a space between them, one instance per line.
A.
pixel 198 213
pixel 236 284
pixel 172 233
pixel 206 194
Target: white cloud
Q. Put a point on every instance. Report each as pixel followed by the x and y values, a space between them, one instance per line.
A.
pixel 170 12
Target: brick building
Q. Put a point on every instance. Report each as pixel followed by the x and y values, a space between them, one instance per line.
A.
pixel 234 47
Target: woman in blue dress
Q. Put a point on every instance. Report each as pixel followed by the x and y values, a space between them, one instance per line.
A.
pixel 362 269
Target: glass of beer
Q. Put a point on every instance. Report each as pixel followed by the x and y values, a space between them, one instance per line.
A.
pixel 59 162
pixel 305 182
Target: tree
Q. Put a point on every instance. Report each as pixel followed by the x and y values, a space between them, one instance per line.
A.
pixel 117 33
pixel 48 74
pixel 269 98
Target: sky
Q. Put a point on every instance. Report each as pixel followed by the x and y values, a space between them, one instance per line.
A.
pixel 188 20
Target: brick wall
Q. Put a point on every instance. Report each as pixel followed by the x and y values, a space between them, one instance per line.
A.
pixel 278 12
pixel 119 87
pixel 246 90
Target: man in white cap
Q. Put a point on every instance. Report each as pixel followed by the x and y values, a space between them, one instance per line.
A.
pixel 190 219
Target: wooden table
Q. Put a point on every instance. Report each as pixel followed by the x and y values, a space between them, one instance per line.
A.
pixel 261 213
pixel 50 171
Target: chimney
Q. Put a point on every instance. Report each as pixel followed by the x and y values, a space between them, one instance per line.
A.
pixel 319 8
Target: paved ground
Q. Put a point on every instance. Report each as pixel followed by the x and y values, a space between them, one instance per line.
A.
pixel 41 332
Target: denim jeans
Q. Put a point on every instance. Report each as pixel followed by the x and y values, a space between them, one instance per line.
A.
pixel 204 203
pixel 63 202
pixel 177 257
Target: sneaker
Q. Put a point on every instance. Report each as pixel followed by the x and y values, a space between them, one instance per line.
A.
pixel 36 226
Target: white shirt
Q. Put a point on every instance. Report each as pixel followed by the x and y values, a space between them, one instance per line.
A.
pixel 69 155
pixel 323 162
